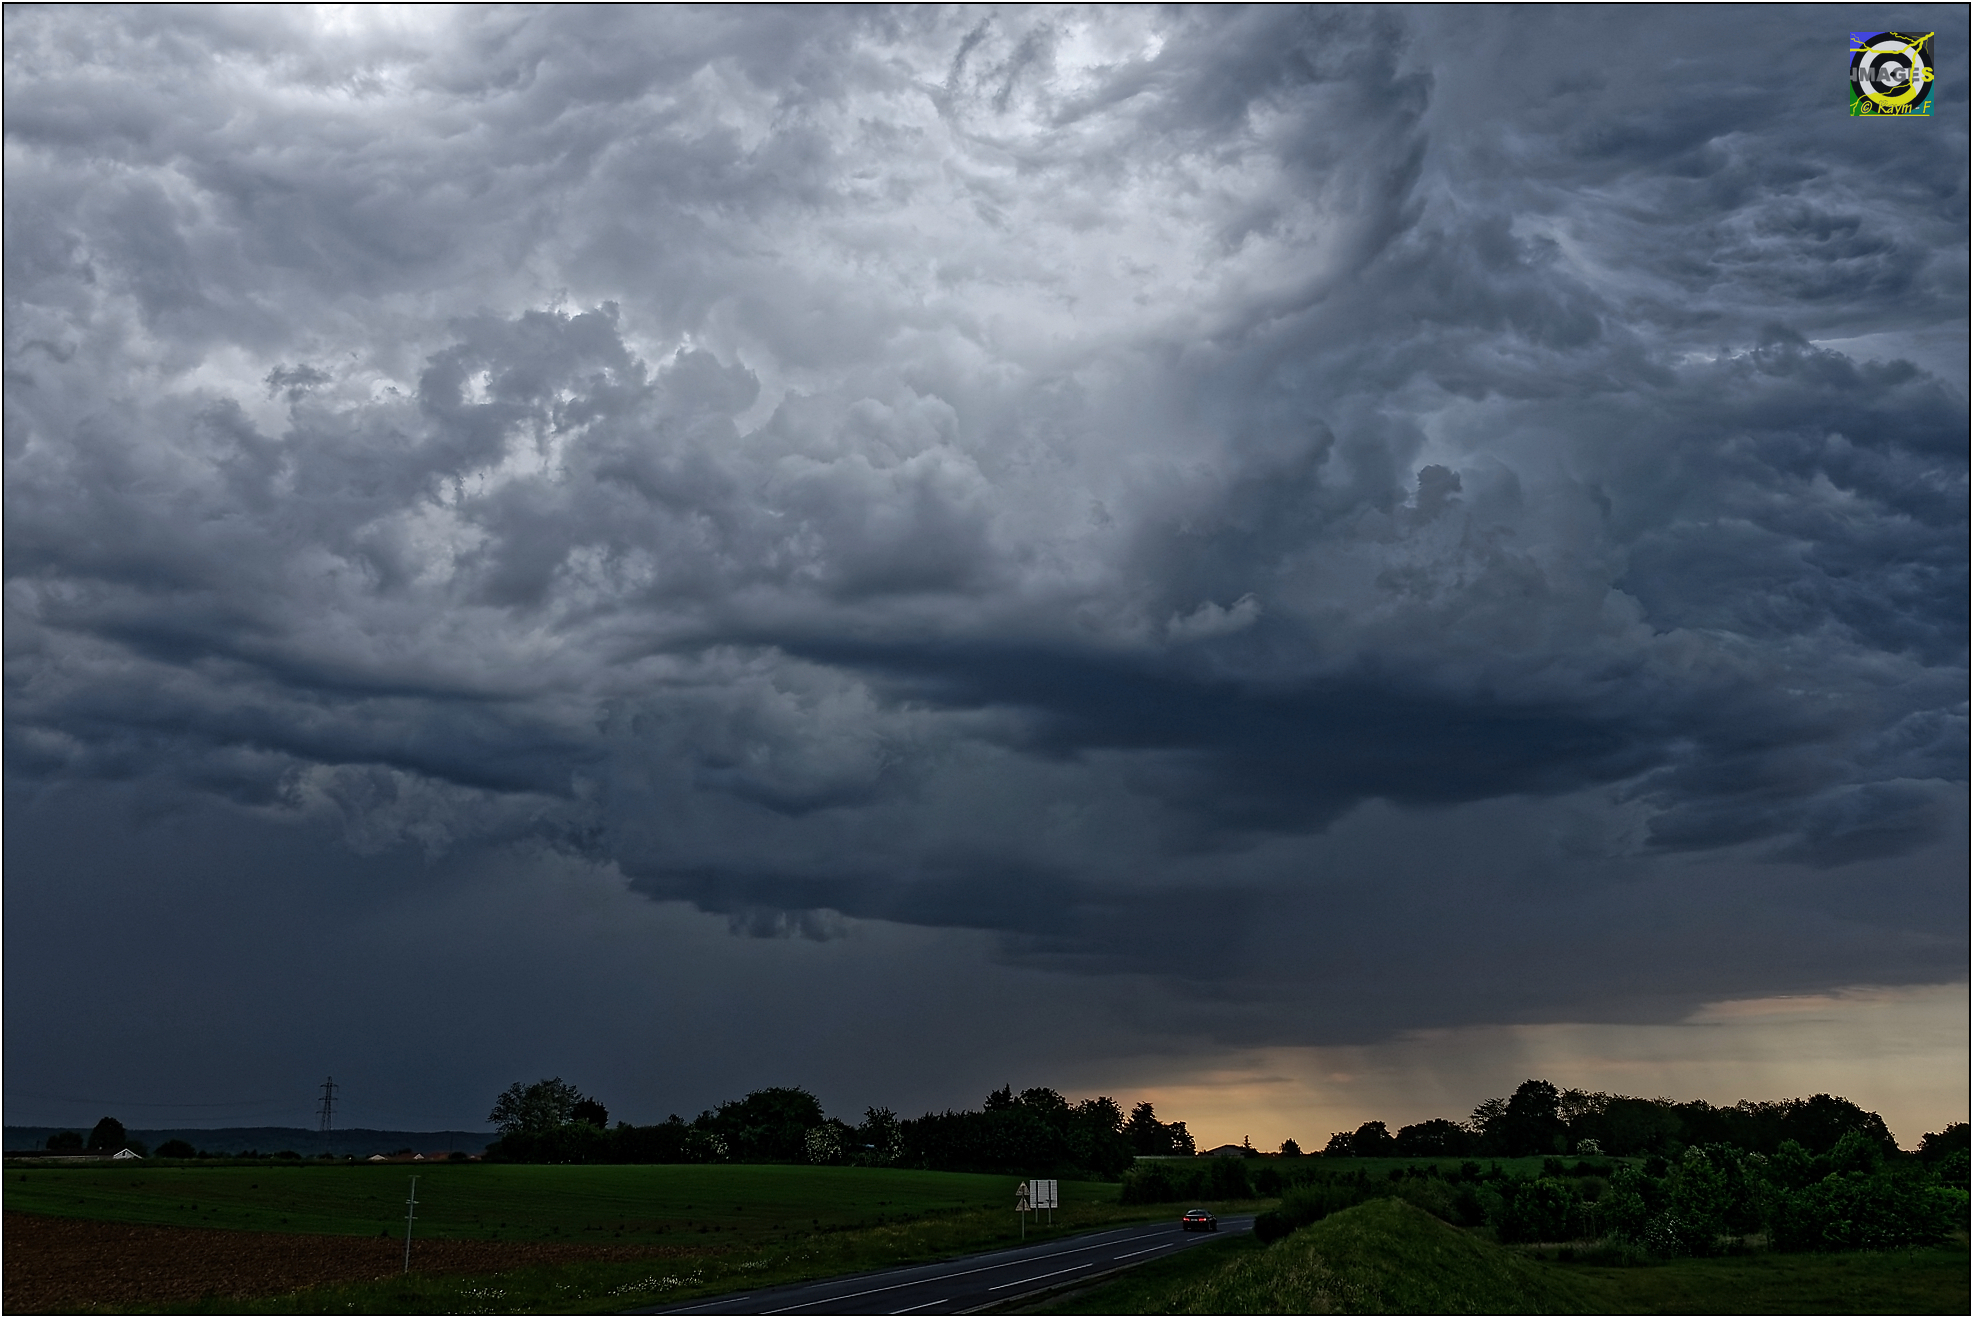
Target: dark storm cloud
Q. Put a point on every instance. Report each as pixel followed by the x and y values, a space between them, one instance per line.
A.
pixel 1018 471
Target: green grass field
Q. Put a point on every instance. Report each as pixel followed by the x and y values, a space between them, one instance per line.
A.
pixel 1388 1257
pixel 490 1201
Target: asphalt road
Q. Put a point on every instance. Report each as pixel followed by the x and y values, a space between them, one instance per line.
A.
pixel 964 1285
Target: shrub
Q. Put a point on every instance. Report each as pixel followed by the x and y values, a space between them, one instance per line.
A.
pixel 1150 1183
pixel 1953 1168
pixel 1203 1178
pixel 1226 1178
pixel 1536 1210
pixel 1624 1209
pixel 825 1143
pixel 1853 1210
pixel 1311 1202
pixel 176 1149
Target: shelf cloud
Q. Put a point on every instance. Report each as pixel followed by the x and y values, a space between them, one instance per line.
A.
pixel 1289 526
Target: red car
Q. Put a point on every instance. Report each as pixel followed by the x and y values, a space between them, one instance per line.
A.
pixel 1199 1220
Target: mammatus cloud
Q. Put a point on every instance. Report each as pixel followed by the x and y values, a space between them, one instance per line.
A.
pixel 1148 486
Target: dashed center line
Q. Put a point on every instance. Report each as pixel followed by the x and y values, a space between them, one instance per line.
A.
pixel 1022 1281
pixel 1135 1252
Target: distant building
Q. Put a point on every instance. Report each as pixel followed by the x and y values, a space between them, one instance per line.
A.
pixel 1226 1151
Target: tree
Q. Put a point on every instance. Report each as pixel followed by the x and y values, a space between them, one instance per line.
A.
pixel 1532 1123
pixel 1290 1149
pixel 1145 1132
pixel 1487 1118
pixel 1047 1102
pixel 1371 1140
pixel 65 1139
pixel 109 1134
pixel 176 1149
pixel 591 1111
pixel 1437 1138
pixel 1149 1137
pixel 1939 1145
pixel 1629 1126
pixel 1821 1121
pixel 881 1136
pixel 1095 1132
pixel 768 1125
pixel 1036 1132
pixel 529 1109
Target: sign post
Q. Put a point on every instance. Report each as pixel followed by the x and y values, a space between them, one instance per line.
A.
pixel 1042 1194
pixel 1022 1206
pixel 410 1212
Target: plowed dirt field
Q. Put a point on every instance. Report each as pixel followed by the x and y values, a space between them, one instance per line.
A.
pixel 65 1265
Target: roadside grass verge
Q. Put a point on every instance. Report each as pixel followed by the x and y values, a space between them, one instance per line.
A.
pixel 1387 1256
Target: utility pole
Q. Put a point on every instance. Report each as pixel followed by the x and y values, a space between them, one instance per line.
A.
pixel 328 1105
pixel 410 1212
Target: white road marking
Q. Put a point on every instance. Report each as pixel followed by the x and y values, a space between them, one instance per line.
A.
pixel 1022 1281
pixel 1099 1243
pixel 1135 1252
pixel 943 1276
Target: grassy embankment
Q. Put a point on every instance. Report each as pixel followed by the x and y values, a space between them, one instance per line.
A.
pixel 719 1227
pixel 1389 1257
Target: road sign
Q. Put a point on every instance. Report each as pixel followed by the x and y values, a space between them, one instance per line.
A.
pixel 1041 1194
pixel 1021 1200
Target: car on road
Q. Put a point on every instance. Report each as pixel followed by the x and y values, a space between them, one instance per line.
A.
pixel 1199 1220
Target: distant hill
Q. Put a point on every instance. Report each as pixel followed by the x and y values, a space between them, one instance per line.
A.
pixel 273 1139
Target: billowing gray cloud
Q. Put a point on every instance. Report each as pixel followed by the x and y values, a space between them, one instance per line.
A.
pixel 1151 487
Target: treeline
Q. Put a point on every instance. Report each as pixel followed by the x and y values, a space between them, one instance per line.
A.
pixel 1707 1200
pixel 1035 1132
pixel 108 1136
pixel 1538 1120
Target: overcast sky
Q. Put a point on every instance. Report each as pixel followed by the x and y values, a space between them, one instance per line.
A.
pixel 1302 564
